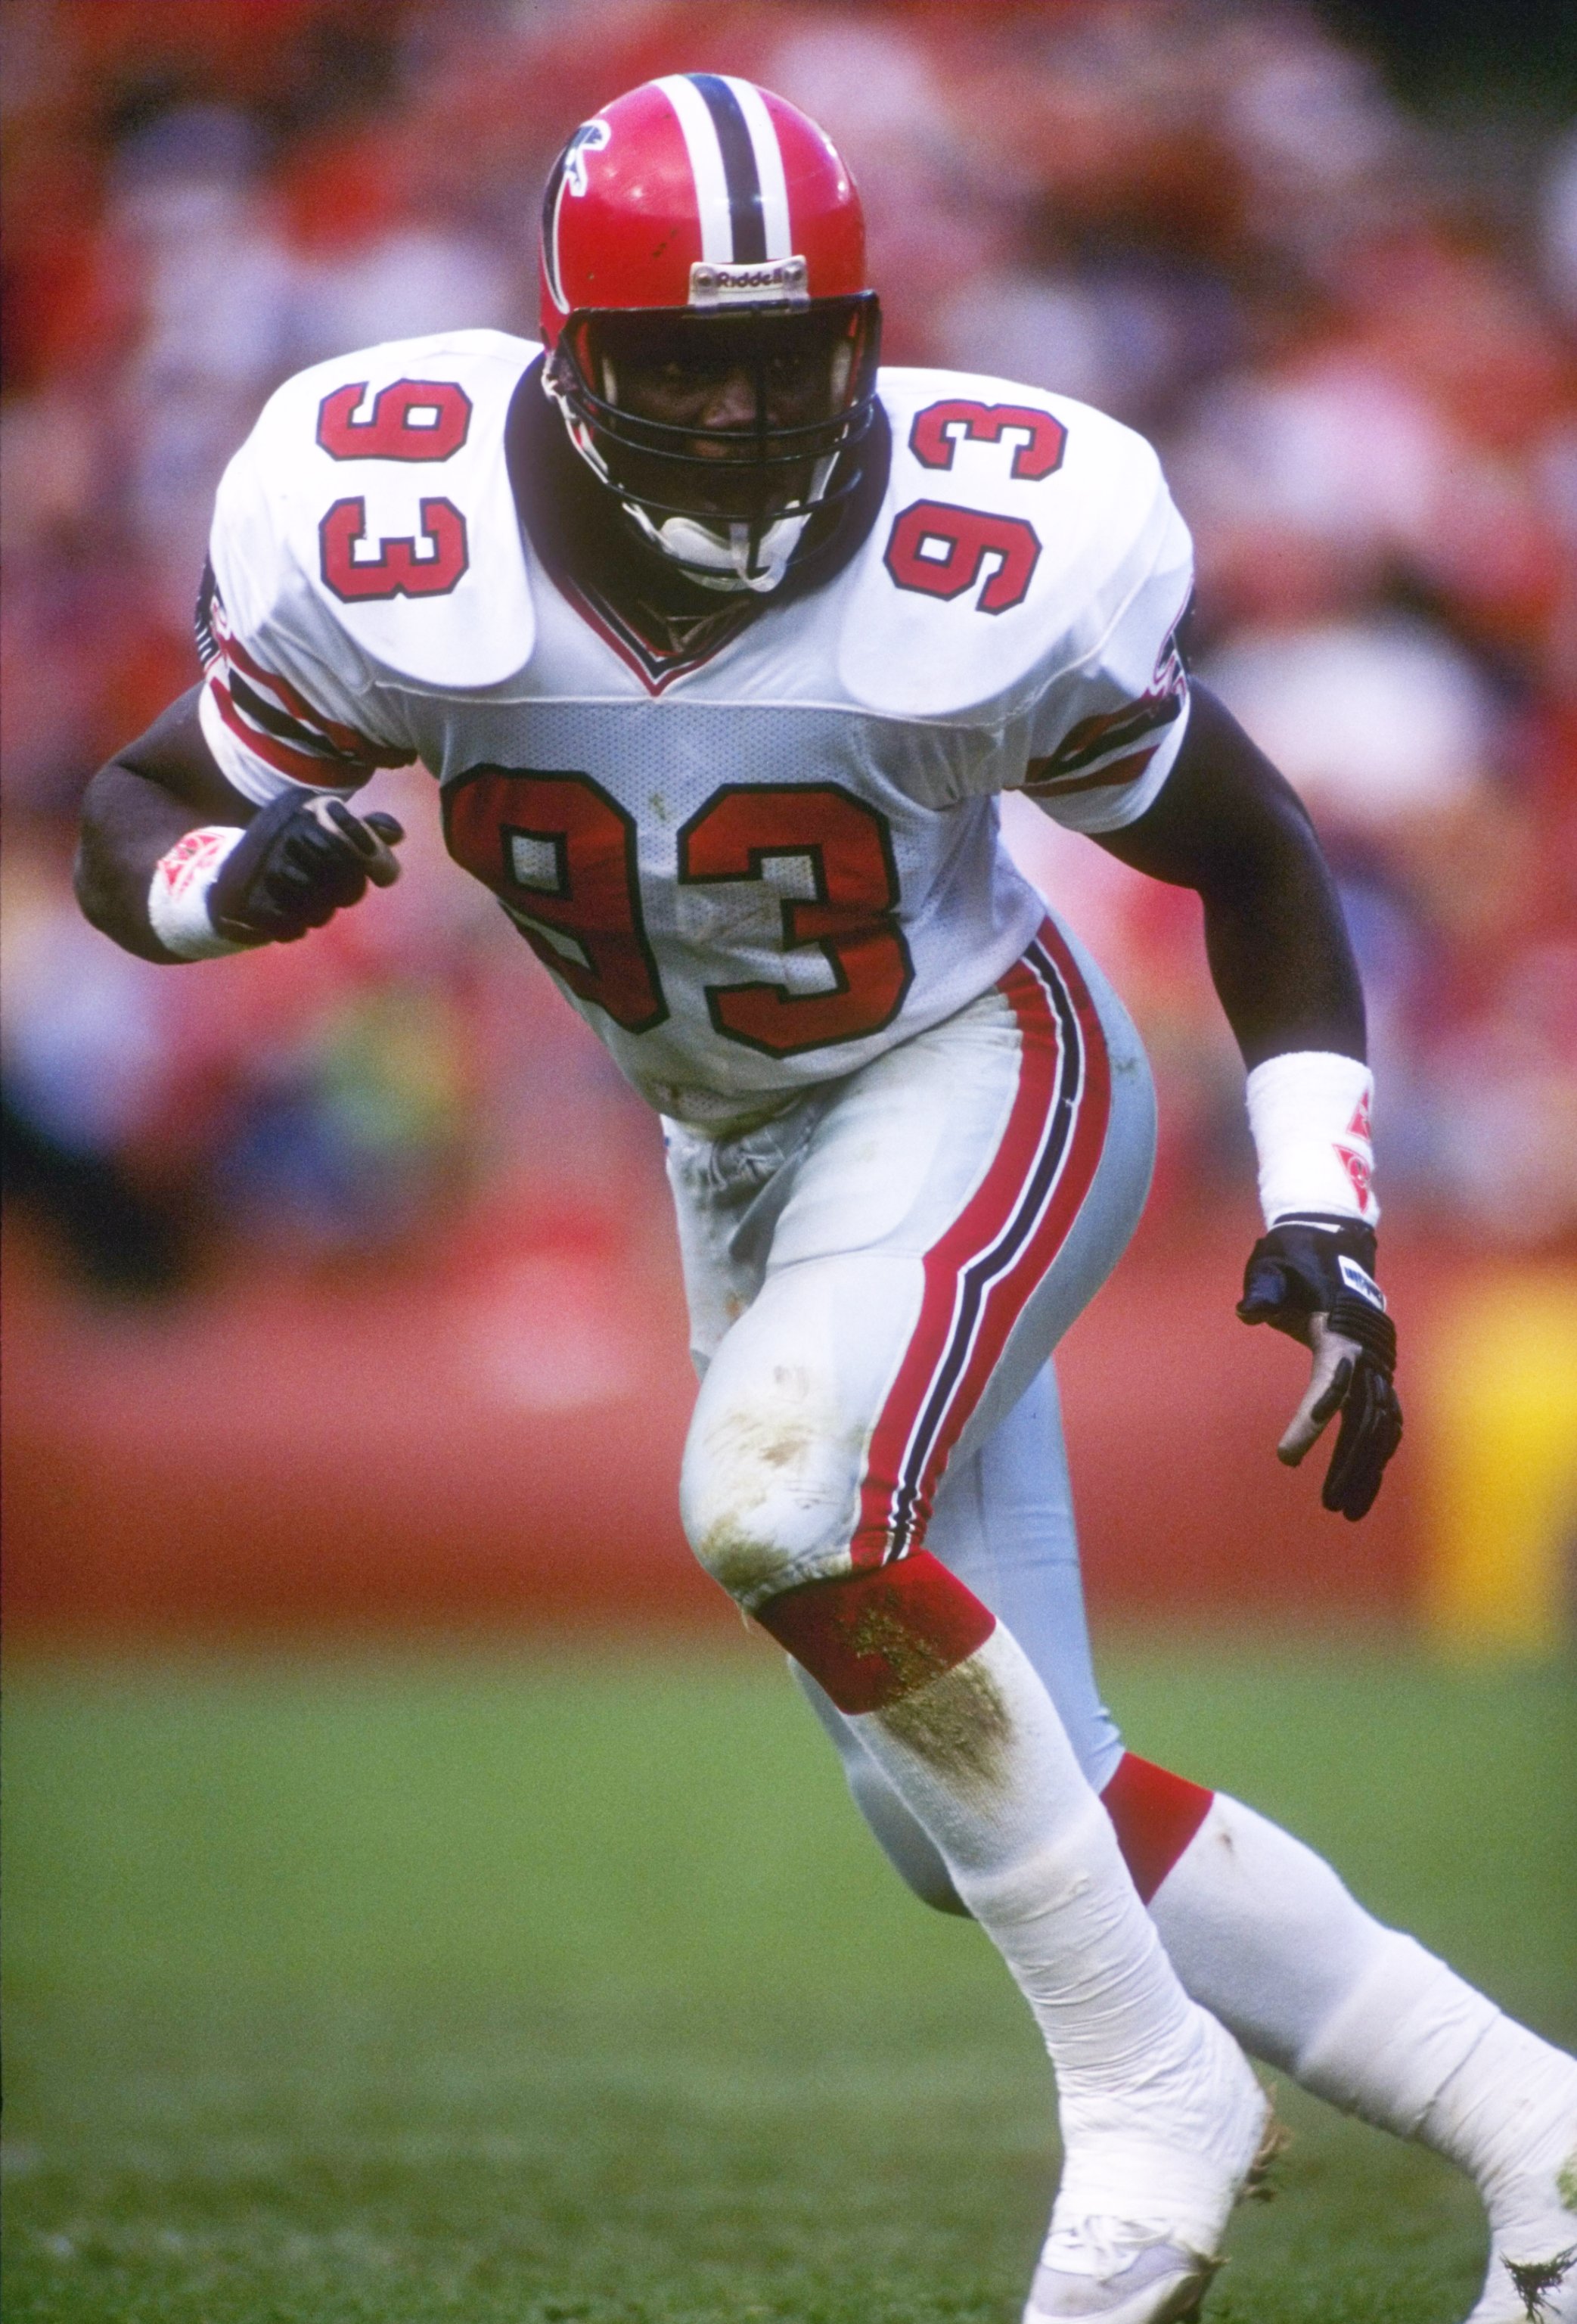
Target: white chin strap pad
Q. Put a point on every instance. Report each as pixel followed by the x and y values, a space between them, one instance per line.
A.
pixel 722 560
pixel 718 558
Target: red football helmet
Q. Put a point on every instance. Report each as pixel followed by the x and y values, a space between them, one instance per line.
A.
pixel 712 340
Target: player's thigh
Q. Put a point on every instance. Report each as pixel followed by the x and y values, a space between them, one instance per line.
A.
pixel 728 1195
pixel 1038 1235
pixel 770 1485
pixel 950 1209
pixel 1098 1221
pixel 795 1386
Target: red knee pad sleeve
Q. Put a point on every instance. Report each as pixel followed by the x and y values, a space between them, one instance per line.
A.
pixel 871 1637
pixel 1155 1814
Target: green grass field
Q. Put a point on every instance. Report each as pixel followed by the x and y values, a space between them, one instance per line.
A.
pixel 393 1988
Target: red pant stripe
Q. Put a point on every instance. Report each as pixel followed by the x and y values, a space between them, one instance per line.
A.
pixel 980 1273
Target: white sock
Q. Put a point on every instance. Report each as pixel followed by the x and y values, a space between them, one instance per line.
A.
pixel 981 1758
pixel 1508 2116
pixel 1265 1936
pixel 1263 1932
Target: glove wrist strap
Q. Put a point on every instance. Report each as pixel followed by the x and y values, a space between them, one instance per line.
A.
pixel 177 897
pixel 1354 1316
pixel 1309 1112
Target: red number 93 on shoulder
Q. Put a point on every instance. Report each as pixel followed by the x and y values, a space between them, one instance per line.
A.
pixel 429 564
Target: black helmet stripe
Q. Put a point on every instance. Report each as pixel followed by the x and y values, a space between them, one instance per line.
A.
pixel 740 175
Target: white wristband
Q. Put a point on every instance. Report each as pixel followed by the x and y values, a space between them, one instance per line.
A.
pixel 1309 1111
pixel 178 899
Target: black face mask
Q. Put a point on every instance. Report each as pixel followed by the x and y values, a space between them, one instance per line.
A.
pixel 731 419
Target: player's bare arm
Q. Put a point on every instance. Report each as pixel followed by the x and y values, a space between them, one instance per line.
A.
pixel 1234 830
pixel 175 864
pixel 1228 825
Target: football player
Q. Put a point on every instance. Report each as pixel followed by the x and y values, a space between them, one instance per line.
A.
pixel 721 643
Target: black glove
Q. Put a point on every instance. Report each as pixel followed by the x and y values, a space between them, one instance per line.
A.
pixel 299 862
pixel 1314 1279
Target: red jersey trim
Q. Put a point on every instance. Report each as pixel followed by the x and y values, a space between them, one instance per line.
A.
pixel 300 766
pixel 1121 771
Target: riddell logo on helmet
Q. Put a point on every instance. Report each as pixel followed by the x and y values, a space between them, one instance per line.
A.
pixel 784 282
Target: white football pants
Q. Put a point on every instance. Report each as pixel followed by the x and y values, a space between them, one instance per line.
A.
pixel 876 1280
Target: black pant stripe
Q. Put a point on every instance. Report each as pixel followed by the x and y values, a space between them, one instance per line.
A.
pixel 988 1265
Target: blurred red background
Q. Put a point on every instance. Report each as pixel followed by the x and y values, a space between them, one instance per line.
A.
pixel 340 1276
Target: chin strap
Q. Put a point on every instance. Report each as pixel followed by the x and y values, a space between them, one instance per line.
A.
pixel 739 559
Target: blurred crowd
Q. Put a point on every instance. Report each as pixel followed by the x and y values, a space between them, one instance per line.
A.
pixel 1208 216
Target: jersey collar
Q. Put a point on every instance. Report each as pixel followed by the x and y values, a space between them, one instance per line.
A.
pixel 661 625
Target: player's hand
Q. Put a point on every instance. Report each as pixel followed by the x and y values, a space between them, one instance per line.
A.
pixel 299 862
pixel 1315 1282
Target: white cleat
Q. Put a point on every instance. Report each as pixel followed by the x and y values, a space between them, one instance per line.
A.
pixel 1137 2226
pixel 1164 2284
pixel 1533 2215
pixel 1533 2276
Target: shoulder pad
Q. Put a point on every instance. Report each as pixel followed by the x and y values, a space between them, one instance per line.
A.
pixel 1016 525
pixel 373 495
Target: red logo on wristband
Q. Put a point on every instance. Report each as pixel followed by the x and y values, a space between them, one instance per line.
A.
pixel 1360 1169
pixel 191 856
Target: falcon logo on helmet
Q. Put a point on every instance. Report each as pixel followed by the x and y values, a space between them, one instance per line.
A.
pixel 712 340
pixel 568 177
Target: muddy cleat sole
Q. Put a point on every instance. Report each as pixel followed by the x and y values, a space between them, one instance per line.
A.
pixel 1530 2290
pixel 1532 2277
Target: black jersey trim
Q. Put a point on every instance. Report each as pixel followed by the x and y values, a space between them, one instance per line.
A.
pixel 286 729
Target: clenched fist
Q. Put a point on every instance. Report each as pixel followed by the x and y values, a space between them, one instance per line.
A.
pixel 299 862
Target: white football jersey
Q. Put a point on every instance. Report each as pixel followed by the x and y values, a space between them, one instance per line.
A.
pixel 759 866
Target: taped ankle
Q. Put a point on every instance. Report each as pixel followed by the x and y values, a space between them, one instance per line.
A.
pixel 1389 2051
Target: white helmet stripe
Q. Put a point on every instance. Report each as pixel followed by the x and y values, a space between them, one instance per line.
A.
pixel 769 167
pixel 705 152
